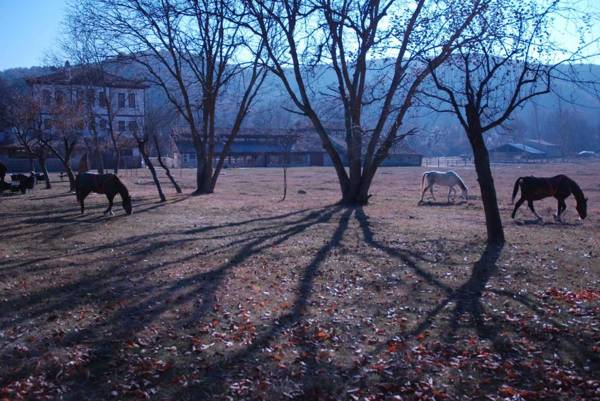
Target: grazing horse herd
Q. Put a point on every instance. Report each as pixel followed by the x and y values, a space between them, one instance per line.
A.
pixel 532 189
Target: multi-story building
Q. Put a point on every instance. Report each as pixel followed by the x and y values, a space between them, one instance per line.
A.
pixel 108 106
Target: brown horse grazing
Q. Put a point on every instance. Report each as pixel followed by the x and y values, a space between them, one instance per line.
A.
pixel 560 186
pixel 108 184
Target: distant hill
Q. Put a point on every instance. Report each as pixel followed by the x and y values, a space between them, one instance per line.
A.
pixel 569 117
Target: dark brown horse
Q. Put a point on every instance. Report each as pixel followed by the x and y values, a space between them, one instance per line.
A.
pixel 25 181
pixel 2 172
pixel 108 184
pixel 560 187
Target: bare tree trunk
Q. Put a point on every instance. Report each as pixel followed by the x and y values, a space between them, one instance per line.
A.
pixel 42 162
pixel 164 166
pixel 117 154
pixel 67 165
pixel 203 177
pixel 284 183
pixel 99 160
pixel 493 222
pixel 117 162
pixel 357 192
pixel 70 174
pixel 65 160
pixel 142 148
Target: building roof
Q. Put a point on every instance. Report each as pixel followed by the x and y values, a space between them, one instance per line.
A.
pixel 86 76
pixel 255 140
pixel 309 141
pixel 518 147
pixel 245 143
pixel 541 142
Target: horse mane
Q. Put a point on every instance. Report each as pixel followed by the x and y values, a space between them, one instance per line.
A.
pixel 576 189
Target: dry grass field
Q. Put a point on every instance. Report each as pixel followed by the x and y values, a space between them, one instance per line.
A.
pixel 239 296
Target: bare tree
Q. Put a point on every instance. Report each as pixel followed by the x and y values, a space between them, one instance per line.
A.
pixel 25 119
pixel 376 52
pixel 287 142
pixel 164 166
pixel 158 120
pixel 62 136
pixel 91 56
pixel 501 67
pixel 191 50
pixel 142 138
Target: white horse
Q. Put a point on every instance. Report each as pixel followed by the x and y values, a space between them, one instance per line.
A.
pixel 444 178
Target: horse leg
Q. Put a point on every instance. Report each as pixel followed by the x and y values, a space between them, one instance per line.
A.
pixel 110 204
pixel 431 190
pixel 423 193
pixel 517 205
pixel 449 192
pixel 81 197
pixel 561 208
pixel 530 204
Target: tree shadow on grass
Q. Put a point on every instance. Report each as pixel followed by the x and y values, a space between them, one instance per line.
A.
pixel 468 296
pixel 143 304
pixel 490 324
pixel 214 383
pixel 53 196
pixel 430 203
pixel 59 222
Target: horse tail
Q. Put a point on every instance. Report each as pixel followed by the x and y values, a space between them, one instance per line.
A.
pixel 516 188
pixel 423 180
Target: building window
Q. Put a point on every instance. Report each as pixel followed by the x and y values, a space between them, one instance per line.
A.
pixel 91 97
pixel 133 126
pixel 47 97
pixel 102 99
pixel 59 97
pixel 47 123
pixel 79 95
pixel 121 125
pixel 121 100
pixel 132 100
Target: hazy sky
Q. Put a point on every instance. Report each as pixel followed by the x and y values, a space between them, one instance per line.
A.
pixel 30 29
